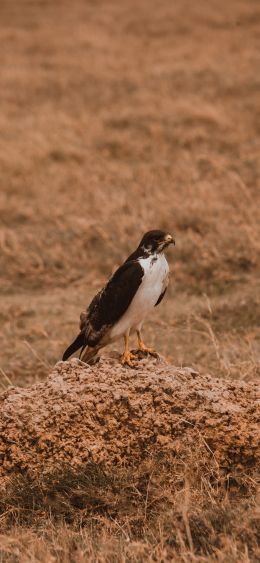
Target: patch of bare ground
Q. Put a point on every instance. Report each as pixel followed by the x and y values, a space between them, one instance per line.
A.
pixel 140 464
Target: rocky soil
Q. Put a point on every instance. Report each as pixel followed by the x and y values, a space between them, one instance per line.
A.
pixel 112 415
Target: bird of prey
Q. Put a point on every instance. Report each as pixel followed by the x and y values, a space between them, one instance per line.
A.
pixel 122 305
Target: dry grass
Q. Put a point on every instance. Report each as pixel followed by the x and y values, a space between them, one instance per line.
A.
pixel 117 117
pixel 160 510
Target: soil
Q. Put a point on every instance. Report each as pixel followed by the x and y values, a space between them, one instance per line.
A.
pixel 114 415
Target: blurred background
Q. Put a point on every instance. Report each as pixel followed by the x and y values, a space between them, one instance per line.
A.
pixel 119 117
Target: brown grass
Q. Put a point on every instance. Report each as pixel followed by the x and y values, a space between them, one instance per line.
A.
pixel 161 510
pixel 117 117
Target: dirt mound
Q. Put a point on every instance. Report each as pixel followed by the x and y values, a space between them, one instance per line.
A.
pixel 111 415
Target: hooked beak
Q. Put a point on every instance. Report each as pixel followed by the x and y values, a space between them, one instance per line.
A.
pixel 169 240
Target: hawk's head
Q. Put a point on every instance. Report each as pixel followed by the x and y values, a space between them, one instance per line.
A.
pixel 156 241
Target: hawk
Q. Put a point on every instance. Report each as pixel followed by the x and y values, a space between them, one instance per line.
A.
pixel 122 305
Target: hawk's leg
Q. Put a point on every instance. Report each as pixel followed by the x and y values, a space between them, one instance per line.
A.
pixel 143 348
pixel 127 355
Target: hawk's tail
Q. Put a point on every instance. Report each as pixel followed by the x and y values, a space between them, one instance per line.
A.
pixel 76 344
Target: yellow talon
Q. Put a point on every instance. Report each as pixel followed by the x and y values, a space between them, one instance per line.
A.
pixel 142 348
pixel 127 355
pixel 126 359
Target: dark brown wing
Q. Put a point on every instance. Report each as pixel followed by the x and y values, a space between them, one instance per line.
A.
pixel 109 305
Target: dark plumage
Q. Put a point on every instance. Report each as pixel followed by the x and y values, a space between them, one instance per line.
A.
pixel 107 306
pixel 111 303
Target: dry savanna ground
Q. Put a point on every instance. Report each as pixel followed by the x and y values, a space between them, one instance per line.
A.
pixel 118 117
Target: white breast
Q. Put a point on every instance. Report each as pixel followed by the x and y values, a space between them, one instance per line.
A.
pixel 155 280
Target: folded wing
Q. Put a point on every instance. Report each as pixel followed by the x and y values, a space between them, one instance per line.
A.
pixel 109 305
